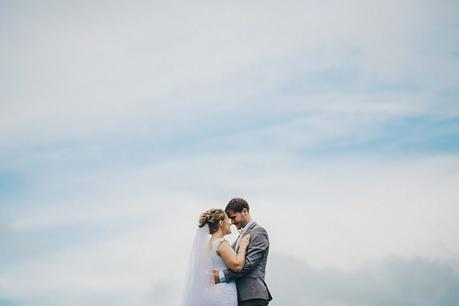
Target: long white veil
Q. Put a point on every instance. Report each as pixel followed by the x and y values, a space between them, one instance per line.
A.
pixel 198 278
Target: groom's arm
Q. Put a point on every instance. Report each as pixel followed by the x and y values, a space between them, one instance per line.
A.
pixel 258 245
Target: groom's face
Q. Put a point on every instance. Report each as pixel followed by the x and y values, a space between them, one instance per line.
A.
pixel 236 218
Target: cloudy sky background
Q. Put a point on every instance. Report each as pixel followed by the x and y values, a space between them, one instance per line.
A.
pixel 337 120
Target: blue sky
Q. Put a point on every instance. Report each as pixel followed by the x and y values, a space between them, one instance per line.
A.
pixel 121 122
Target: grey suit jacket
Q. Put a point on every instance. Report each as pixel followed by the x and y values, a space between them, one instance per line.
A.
pixel 250 282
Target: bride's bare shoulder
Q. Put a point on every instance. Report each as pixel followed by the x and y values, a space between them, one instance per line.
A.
pixel 223 246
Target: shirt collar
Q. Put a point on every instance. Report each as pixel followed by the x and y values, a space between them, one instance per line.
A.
pixel 246 227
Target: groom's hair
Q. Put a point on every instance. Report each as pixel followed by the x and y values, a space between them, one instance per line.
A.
pixel 237 205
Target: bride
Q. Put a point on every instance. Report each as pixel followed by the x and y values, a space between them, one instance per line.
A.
pixel 211 251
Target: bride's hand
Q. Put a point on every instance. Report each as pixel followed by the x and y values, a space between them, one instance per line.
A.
pixel 215 277
pixel 244 242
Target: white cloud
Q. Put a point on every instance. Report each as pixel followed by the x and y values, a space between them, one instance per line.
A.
pixel 399 199
pixel 106 68
pixel 237 90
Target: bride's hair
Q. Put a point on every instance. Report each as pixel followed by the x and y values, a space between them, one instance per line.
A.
pixel 212 217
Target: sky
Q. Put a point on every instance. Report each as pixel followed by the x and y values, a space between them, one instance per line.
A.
pixel 120 122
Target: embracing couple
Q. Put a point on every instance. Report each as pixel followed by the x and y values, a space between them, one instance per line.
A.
pixel 221 274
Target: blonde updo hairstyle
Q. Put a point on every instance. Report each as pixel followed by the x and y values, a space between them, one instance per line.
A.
pixel 212 217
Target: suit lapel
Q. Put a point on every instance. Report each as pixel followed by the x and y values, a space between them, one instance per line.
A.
pixel 251 227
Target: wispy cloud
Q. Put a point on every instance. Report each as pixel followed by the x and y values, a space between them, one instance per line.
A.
pixel 120 122
pixel 90 68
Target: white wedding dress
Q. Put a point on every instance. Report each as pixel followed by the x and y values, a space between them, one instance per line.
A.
pixel 222 294
pixel 199 289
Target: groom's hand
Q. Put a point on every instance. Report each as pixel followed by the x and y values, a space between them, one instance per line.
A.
pixel 216 277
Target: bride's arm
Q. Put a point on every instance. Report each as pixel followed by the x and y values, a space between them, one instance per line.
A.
pixel 233 261
pixel 258 246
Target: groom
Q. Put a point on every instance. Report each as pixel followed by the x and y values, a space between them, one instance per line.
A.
pixel 250 282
